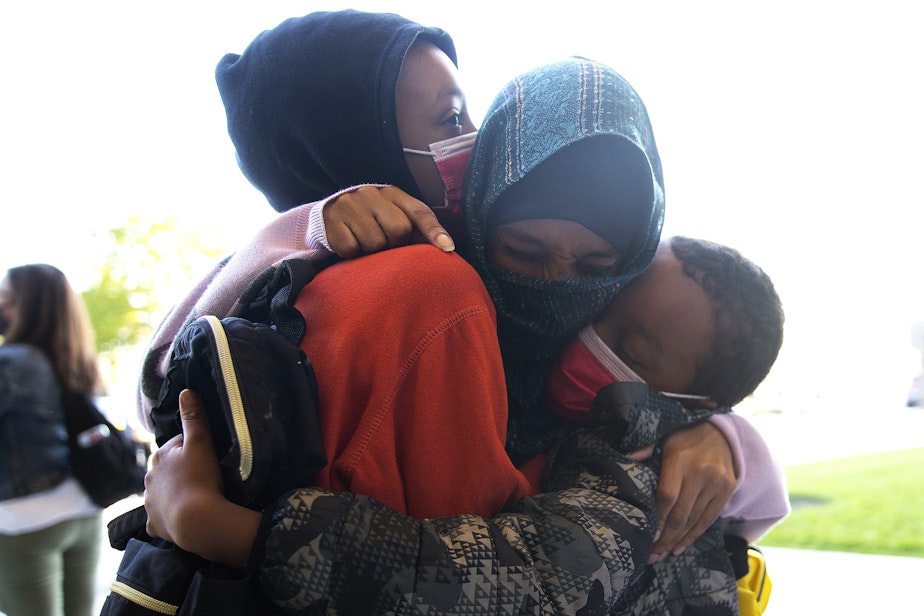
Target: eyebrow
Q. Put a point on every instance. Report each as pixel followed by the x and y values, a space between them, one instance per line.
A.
pixel 521 235
pixel 451 93
pixel 526 237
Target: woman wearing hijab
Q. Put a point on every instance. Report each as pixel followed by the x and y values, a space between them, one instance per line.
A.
pixel 429 363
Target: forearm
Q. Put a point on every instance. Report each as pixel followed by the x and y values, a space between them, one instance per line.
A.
pixel 218 292
pixel 579 547
pixel 350 554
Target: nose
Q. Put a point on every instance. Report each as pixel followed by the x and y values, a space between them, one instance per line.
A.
pixel 558 269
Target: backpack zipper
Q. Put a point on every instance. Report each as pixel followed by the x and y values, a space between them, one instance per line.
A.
pixel 238 417
pixel 146 601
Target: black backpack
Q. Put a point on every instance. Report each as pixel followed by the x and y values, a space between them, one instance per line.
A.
pixel 260 395
pixel 108 462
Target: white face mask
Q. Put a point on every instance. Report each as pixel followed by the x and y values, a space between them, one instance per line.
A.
pixel 451 157
pixel 607 358
pixel 447 147
pixel 620 371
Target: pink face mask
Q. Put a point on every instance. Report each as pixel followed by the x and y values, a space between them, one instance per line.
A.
pixel 451 157
pixel 616 367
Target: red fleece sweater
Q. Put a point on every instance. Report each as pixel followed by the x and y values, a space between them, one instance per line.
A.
pixel 413 404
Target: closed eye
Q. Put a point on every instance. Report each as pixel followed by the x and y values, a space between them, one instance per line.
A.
pixel 627 357
pixel 640 349
pixel 523 255
pixel 597 270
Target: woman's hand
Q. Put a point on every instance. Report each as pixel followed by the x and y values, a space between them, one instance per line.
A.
pixel 697 480
pixel 371 219
pixel 183 496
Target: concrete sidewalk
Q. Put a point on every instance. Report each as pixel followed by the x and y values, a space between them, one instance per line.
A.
pixel 814 582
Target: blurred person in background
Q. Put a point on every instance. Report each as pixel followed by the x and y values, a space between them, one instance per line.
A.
pixel 50 530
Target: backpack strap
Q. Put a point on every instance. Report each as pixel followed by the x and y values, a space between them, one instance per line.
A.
pixel 271 297
pixel 737 548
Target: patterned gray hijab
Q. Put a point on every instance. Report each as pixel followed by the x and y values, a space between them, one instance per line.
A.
pixel 536 116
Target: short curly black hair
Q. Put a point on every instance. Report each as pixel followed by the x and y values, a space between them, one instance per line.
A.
pixel 748 318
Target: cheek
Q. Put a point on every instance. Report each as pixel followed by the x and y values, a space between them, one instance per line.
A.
pixel 428 179
pixel 677 377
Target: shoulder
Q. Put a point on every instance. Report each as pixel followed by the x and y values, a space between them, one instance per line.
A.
pixel 404 294
pixel 25 368
pixel 415 260
pixel 409 271
pixel 22 354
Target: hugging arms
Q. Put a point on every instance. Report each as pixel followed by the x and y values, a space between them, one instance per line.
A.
pixel 586 523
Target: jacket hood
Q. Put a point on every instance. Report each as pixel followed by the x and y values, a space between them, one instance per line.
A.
pixel 311 103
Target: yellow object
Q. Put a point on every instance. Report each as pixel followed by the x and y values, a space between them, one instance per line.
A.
pixel 754 587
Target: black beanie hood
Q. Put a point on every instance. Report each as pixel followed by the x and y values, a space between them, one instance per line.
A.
pixel 311 104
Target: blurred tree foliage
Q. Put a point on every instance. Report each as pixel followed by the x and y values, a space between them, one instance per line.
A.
pixel 147 266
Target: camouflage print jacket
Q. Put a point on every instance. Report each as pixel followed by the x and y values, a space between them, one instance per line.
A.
pixel 582 548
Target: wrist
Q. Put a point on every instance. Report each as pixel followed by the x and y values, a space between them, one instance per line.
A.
pixel 316 228
pixel 191 518
pixel 216 529
pixel 725 424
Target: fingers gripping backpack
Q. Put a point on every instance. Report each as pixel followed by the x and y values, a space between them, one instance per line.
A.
pixel 260 394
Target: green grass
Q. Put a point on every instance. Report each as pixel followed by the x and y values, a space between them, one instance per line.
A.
pixel 872 504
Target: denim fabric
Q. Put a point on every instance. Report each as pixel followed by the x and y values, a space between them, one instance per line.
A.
pixel 33 440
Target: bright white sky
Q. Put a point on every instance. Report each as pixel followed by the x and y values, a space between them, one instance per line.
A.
pixel 791 130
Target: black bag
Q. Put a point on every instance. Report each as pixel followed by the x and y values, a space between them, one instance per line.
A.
pixel 156 577
pixel 260 395
pixel 108 462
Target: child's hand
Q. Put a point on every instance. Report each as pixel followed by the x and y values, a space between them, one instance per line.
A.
pixel 183 495
pixel 371 219
pixel 182 472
